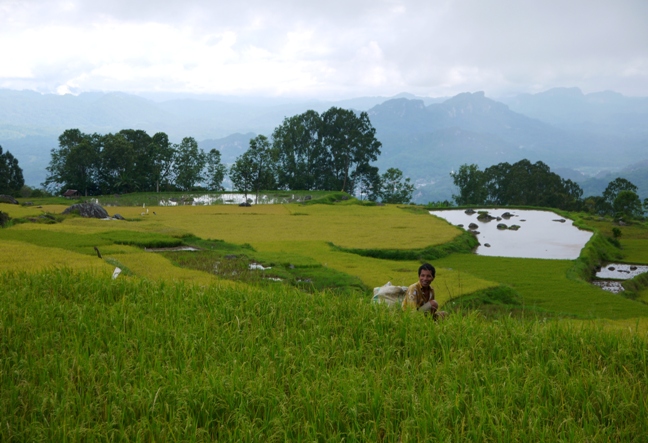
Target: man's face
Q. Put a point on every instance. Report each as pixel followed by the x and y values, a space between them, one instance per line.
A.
pixel 425 278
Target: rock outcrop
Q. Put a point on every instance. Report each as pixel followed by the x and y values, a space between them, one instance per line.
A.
pixel 8 199
pixel 88 210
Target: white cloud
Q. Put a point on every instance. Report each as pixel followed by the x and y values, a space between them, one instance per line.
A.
pixel 334 49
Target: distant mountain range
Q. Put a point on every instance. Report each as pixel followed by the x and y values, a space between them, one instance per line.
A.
pixel 471 128
pixel 577 134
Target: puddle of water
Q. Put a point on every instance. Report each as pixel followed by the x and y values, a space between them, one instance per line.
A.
pixel 230 199
pixel 541 234
pixel 177 248
pixel 609 285
pixel 621 271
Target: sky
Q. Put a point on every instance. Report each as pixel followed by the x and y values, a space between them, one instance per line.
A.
pixel 333 49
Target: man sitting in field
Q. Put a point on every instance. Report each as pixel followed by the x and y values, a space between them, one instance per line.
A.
pixel 420 295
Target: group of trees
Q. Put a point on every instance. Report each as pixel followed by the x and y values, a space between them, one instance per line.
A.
pixel 619 199
pixel 331 151
pixel 11 175
pixel 533 184
pixel 522 183
pixel 130 161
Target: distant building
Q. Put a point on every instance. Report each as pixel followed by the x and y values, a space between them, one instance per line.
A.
pixel 71 193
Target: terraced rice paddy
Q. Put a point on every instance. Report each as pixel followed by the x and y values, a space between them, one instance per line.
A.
pixel 171 352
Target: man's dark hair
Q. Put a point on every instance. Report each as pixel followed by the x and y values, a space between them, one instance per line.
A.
pixel 427 267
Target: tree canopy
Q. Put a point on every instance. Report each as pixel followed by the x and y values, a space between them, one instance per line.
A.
pixel 331 151
pixel 394 188
pixel 253 170
pixel 522 183
pixel 11 175
pixel 129 161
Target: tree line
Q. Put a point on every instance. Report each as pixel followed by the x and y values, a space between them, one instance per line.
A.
pixel 311 151
pixel 130 161
pixel 533 184
pixel 331 151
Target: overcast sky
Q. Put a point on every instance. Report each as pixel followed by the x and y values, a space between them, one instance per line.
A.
pixel 329 49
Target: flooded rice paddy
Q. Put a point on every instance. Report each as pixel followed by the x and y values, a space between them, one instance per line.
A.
pixel 621 271
pixel 520 233
pixel 610 276
pixel 232 199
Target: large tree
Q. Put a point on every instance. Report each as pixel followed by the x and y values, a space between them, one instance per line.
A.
pixel 11 175
pixel 254 169
pixel 394 188
pixel 367 181
pixel 117 171
pixel 75 164
pixel 627 204
pixel 242 174
pixel 215 170
pixel 350 141
pixel 189 164
pixel 142 168
pixel 300 158
pixel 471 183
pixel 615 187
pixel 162 157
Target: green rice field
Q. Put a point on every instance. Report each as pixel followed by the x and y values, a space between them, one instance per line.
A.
pixel 85 358
pixel 196 346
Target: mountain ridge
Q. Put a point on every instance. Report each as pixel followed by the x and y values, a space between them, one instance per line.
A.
pixel 423 136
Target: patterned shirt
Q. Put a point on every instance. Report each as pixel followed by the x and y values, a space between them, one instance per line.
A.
pixel 415 297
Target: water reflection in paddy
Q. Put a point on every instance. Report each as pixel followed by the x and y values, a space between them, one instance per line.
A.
pixel 542 234
pixel 621 271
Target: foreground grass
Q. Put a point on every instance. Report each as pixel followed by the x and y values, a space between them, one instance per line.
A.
pixel 84 358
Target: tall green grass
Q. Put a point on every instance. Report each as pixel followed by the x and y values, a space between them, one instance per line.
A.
pixel 634 287
pixel 89 359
